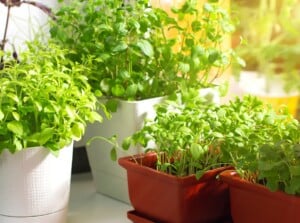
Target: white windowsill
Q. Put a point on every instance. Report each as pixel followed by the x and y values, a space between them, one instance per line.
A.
pixel 90 207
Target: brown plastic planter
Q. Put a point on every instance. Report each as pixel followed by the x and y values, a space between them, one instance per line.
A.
pixel 169 199
pixel 255 203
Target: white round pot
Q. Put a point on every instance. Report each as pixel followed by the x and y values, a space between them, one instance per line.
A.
pixel 35 185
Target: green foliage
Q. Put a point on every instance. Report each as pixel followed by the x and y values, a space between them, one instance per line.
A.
pixel 270 38
pixel 45 100
pixel 263 146
pixel 130 53
pixel 191 136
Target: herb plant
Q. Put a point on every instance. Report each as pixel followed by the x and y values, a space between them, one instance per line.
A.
pixel 264 145
pixel 189 135
pixel 45 100
pixel 129 52
pixel 270 39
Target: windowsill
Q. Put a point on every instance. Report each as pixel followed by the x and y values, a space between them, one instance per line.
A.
pixel 90 207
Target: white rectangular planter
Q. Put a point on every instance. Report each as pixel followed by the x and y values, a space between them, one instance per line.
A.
pixel 110 179
pixel 35 185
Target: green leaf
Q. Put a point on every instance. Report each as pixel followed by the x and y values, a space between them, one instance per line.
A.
pixel 118 90
pixel 218 135
pixel 1 115
pixel 184 67
pixel 112 105
pixel 126 143
pixel 45 135
pixel 13 97
pixel 16 127
pixel 196 26
pixel 131 90
pixel 239 131
pixel 16 116
pixel 197 151
pixel 77 130
pixel 70 111
pixel 95 116
pixel 105 85
pixel 121 46
pixel 113 154
pixel 18 145
pixel 213 56
pixel 146 47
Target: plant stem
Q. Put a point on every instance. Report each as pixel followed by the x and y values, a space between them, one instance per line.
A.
pixel 6 28
pixel 3 42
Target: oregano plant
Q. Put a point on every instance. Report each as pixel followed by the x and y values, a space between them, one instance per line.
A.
pixel 45 99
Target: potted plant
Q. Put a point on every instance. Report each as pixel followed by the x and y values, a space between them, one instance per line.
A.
pixel 270 46
pixel 180 146
pixel 187 138
pixel 45 104
pixel 265 185
pixel 134 64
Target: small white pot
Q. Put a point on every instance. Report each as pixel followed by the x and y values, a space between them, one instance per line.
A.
pixel 35 185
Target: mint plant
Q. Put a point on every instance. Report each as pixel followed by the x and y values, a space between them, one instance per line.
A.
pixel 45 100
pixel 129 53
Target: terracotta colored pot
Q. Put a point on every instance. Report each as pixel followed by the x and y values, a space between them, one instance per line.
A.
pixel 255 203
pixel 169 199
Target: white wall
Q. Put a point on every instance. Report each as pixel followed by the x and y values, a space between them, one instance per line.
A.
pixel 25 21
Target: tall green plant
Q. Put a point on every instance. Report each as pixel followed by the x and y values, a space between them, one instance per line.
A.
pixel 129 52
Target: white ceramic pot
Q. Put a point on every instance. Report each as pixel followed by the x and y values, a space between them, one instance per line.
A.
pixel 110 179
pixel 35 186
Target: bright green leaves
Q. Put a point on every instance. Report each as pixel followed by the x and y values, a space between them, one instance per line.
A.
pixel 41 138
pixel 16 127
pixel 193 135
pixel 126 143
pixel 129 49
pixel 146 47
pixel 121 46
pixel 198 151
pixel 118 90
pixel 131 90
pixel 105 85
pixel 1 115
pixel 45 100
pixel 77 130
